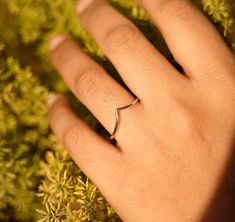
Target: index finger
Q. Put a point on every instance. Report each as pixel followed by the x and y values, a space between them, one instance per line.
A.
pixel 193 40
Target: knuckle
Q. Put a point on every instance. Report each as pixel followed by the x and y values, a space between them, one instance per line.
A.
pixel 71 136
pixel 186 117
pixel 88 82
pixel 175 9
pixel 191 123
pixel 95 13
pixel 61 55
pixel 123 36
pixel 57 114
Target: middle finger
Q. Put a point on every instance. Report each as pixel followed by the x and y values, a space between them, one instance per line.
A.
pixel 132 54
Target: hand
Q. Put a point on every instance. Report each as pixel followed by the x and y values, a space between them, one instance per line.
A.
pixel 175 143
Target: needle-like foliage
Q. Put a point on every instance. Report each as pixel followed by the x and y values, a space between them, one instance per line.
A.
pixel 38 180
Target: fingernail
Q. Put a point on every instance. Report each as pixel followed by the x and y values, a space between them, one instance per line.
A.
pixel 83 5
pixel 51 99
pixel 56 41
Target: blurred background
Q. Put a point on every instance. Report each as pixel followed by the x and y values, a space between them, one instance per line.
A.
pixel 38 180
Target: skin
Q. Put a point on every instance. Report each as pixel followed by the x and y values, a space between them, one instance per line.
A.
pixel 175 144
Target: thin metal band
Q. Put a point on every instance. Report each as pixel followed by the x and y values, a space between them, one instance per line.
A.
pixel 117 113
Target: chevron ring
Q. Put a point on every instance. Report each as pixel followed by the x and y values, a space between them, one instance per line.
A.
pixel 117 113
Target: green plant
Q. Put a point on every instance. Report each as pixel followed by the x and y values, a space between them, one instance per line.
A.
pixel 36 172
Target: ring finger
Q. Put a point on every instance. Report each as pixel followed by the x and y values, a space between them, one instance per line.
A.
pixel 92 85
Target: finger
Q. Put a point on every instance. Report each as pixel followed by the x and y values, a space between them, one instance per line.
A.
pixel 98 159
pixel 132 54
pixel 192 39
pixel 100 93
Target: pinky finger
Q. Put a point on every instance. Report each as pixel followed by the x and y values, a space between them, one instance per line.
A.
pixel 98 159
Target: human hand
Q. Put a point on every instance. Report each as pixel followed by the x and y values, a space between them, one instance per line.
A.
pixel 174 144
